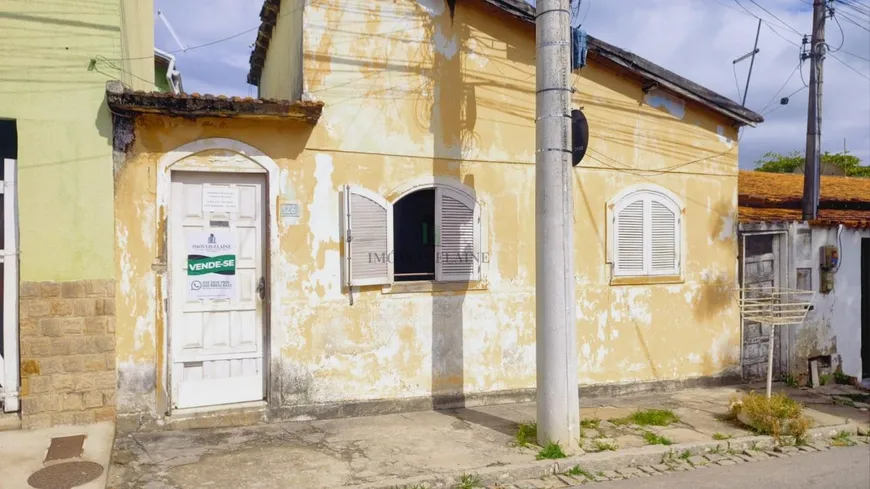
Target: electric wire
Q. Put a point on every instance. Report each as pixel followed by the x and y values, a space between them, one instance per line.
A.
pixel 774 16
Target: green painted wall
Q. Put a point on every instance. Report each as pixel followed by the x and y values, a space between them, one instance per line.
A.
pixel 160 77
pixel 50 85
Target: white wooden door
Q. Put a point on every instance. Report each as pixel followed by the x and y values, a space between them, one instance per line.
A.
pixel 216 326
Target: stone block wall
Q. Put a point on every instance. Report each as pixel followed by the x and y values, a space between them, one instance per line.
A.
pixel 68 373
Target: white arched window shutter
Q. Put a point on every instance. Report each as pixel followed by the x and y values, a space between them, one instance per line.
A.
pixel 457 244
pixel 368 237
pixel 646 235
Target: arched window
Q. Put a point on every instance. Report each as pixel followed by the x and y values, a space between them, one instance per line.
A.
pixel 430 233
pixel 646 234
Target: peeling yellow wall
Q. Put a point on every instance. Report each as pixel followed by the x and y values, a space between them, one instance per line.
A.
pixel 281 77
pixel 409 93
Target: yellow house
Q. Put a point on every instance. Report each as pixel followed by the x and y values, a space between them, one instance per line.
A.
pixel 56 130
pixel 361 238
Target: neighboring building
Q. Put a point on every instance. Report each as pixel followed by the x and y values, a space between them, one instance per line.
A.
pixel 54 121
pixel 374 250
pixel 782 250
pixel 167 78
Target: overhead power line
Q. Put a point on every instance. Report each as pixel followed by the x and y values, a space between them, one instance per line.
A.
pixel 775 17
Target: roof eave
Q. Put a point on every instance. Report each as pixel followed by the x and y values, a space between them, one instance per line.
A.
pixel 121 99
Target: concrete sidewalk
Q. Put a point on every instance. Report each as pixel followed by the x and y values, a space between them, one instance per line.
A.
pixel 24 452
pixel 406 449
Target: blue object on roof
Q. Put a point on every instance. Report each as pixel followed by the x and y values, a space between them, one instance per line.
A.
pixel 578 48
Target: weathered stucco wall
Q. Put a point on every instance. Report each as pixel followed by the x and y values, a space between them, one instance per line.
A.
pixel 833 327
pixel 281 77
pixel 410 93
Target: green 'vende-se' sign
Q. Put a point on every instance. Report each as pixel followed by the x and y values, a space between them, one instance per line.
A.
pixel 223 264
pixel 211 264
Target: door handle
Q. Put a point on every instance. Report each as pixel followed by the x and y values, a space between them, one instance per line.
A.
pixel 261 288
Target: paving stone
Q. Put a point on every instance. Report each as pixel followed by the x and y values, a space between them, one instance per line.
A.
pixel 862 439
pixel 737 459
pixel 631 472
pixel 612 475
pixel 590 433
pixel 726 462
pixel 756 454
pixel 807 448
pixel 599 478
pixel 649 470
pixel 531 484
pixel 862 431
pixel 713 457
pixel 681 467
pixel 684 435
pixel 697 460
pixel 746 458
pixel 552 482
pixel 820 445
pixel 775 454
pixel 630 441
pixel 786 450
pixel 570 480
pixel 661 467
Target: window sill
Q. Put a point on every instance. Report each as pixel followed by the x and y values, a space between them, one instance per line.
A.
pixel 647 280
pixel 426 286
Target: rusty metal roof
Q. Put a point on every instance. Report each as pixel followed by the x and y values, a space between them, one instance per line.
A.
pixel 122 99
pixel 647 70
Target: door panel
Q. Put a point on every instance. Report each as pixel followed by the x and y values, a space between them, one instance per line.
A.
pixel 216 337
pixel 760 270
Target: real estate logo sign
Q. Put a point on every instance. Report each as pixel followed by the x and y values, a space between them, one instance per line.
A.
pixel 211 265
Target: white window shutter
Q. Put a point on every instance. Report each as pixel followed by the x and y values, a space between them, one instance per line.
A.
pixel 664 233
pixel 457 242
pixel 630 238
pixel 368 237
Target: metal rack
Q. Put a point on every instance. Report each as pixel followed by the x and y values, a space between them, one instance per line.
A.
pixel 774 306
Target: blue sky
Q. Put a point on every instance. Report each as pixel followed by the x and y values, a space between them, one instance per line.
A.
pixel 697 39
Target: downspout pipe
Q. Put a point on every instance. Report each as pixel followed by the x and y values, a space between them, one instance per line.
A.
pixel 171 72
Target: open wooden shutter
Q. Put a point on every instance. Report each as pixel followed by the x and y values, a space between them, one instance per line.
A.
pixel 368 237
pixel 664 246
pixel 630 237
pixel 457 242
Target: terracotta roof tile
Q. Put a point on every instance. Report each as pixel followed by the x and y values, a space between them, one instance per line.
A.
pixel 779 188
pixel 121 98
pixel 766 196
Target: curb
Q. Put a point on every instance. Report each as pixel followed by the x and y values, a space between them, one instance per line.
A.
pixel 598 461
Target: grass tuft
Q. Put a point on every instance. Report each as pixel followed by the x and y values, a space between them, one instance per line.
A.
pixel 721 436
pixel 648 417
pixel 685 455
pixel 551 451
pixel 590 423
pixel 842 439
pixel 655 439
pixel 527 434
pixel 468 481
pixel 604 446
pixel 577 470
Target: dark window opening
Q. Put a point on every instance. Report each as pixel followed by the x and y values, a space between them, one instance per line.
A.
pixel 8 143
pixel 414 236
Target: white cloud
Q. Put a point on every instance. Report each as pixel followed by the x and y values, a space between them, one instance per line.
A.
pixel 697 39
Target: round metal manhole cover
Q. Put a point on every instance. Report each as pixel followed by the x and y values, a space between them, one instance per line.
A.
pixel 65 475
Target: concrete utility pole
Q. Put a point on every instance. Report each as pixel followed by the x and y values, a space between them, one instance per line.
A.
pixel 814 113
pixel 556 352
